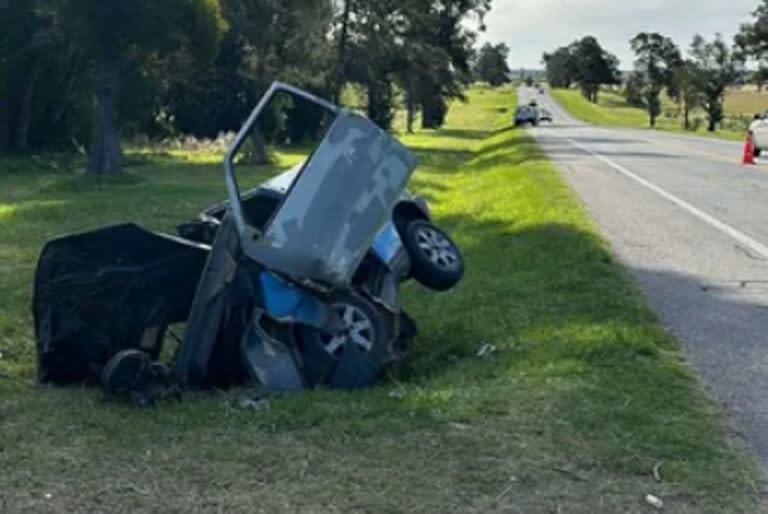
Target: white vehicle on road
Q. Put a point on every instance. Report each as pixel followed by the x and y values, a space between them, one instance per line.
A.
pixel 759 131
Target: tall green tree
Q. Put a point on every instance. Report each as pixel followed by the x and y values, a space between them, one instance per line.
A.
pixel 760 77
pixel 561 69
pixel 595 67
pixel 266 41
pixel 449 32
pixel 42 80
pixel 491 65
pixel 657 59
pixel 424 47
pixel 687 79
pixel 585 63
pixel 115 37
pixel 752 43
pixel 634 89
pixel 752 39
pixel 718 67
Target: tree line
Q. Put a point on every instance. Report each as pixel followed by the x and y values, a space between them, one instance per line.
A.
pixel 85 74
pixel 696 80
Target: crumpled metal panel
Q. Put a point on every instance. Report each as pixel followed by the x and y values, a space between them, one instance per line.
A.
pixel 103 291
pixel 338 203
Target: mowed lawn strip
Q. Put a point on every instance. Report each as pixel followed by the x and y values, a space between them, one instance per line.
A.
pixel 612 110
pixel 584 395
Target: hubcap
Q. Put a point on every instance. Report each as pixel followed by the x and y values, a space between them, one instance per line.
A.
pixel 438 249
pixel 356 330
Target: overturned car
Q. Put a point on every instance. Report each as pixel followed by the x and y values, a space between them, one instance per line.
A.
pixel 290 285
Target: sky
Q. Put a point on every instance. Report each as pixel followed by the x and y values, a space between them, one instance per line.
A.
pixel 531 27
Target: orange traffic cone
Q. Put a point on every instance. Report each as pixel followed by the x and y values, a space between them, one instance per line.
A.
pixel 749 150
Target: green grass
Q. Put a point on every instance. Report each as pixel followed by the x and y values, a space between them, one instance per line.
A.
pixel 585 394
pixel 612 110
pixel 746 101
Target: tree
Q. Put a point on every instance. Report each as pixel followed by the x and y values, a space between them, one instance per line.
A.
pixel 583 62
pixel 340 76
pixel 634 91
pixel 115 36
pixel 752 39
pixel 41 90
pixel 442 27
pixel 760 77
pixel 687 78
pixel 197 66
pixel 657 58
pixel 561 69
pixel 752 42
pixel 718 68
pixel 492 66
pixel 425 47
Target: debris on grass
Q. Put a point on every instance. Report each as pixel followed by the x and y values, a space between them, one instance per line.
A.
pixel 486 351
pixel 512 481
pixel 254 404
pixel 657 472
pixel 570 473
pixel 397 394
pixel 654 501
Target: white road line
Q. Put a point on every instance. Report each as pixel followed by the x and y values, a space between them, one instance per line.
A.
pixel 730 231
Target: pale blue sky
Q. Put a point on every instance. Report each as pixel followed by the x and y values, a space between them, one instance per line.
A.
pixel 530 27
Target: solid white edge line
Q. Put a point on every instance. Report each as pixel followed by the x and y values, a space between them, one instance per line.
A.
pixel 733 233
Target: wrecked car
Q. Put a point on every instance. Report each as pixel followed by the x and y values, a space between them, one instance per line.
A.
pixel 293 284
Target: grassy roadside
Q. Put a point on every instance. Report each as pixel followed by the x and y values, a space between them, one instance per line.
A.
pixel 584 395
pixel 612 110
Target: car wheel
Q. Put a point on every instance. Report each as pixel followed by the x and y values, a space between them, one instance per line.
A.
pixel 352 355
pixel 436 261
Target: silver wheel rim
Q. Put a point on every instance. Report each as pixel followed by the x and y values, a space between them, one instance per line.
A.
pixel 437 249
pixel 356 330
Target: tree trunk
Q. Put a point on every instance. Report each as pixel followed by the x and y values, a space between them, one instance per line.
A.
pixel 433 109
pixel 380 103
pixel 5 129
pixel 652 117
pixel 25 110
pixel 341 62
pixel 257 153
pixel 411 115
pixel 410 105
pixel 5 108
pixel 105 156
pixel 712 124
pixel 427 117
pixel 687 116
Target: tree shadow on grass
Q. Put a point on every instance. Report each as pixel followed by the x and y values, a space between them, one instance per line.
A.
pixel 561 313
pixel 520 281
pixel 470 134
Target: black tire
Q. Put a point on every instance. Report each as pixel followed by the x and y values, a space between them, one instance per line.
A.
pixel 124 372
pixel 758 151
pixel 364 333
pixel 436 261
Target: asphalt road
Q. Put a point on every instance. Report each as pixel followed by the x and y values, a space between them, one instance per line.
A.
pixel 691 224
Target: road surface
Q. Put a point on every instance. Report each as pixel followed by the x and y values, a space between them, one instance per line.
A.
pixel 691 224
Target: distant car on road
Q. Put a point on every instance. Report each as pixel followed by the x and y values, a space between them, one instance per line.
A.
pixel 526 115
pixel 759 131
